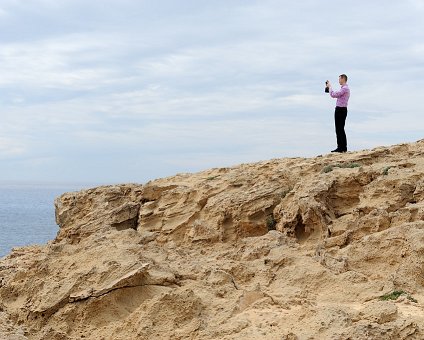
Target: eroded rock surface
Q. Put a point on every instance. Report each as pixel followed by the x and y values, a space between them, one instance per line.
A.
pixel 282 249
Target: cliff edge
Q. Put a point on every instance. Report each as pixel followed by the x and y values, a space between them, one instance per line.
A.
pixel 330 247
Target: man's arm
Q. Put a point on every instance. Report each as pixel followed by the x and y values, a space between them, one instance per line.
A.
pixel 338 94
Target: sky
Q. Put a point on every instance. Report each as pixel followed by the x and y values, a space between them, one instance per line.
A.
pixel 128 91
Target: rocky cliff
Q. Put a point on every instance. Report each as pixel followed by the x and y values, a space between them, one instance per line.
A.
pixel 330 247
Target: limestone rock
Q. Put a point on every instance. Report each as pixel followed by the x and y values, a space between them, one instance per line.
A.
pixel 283 249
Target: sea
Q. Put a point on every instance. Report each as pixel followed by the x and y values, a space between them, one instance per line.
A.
pixel 27 214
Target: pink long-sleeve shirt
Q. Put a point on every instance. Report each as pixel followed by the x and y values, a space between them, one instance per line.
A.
pixel 342 95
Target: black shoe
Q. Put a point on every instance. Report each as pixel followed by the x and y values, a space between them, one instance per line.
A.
pixel 339 150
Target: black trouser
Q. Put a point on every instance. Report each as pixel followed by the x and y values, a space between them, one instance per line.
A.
pixel 340 118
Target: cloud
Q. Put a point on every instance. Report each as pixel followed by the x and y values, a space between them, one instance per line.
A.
pixel 418 4
pixel 10 148
pixel 65 63
pixel 161 87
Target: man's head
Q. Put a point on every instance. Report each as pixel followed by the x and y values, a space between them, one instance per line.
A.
pixel 342 79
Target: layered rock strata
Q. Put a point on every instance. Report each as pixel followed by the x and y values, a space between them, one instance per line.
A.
pixel 330 247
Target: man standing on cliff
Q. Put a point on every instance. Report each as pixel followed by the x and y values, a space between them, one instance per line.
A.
pixel 341 111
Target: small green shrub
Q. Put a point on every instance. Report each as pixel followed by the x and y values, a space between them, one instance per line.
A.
pixel 351 165
pixel 327 169
pixel 210 178
pixel 410 298
pixel 385 171
pixel 392 296
pixel 331 167
pixel 395 295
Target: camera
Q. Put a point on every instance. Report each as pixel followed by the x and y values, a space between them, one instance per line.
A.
pixel 327 89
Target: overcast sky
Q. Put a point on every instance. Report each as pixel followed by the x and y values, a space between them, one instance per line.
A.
pixel 127 91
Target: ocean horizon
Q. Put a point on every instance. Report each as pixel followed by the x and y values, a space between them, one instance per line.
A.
pixel 27 213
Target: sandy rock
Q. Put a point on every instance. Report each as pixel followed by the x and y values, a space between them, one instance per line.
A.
pixel 379 311
pixel 290 248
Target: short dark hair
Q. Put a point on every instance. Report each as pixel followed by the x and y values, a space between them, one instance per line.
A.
pixel 343 76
